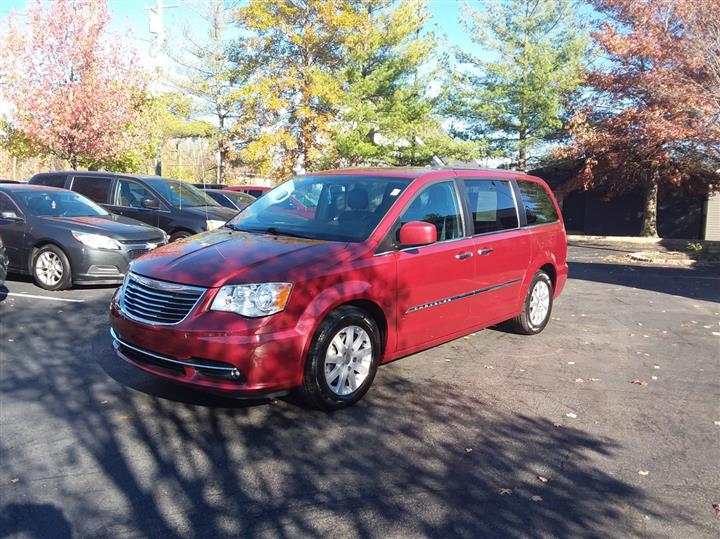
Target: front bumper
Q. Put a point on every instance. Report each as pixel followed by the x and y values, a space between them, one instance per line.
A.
pixel 214 351
pixel 101 266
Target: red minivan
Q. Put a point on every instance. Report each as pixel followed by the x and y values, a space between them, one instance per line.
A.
pixel 380 263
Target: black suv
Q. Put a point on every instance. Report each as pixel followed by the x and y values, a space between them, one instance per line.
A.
pixel 179 208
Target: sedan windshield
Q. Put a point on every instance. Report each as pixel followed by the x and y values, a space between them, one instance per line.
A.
pixel 57 203
pixel 335 208
pixel 180 194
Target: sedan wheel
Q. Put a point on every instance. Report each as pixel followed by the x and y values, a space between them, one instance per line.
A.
pixel 51 268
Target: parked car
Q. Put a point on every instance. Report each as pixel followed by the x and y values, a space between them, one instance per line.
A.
pixel 3 263
pixel 210 185
pixel 254 190
pixel 179 208
pixel 60 237
pixel 230 199
pixel 391 262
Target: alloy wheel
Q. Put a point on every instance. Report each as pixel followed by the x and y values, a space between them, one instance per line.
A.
pixel 348 360
pixel 539 303
pixel 49 268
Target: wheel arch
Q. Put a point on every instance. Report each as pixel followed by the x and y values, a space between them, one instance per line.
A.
pixel 353 293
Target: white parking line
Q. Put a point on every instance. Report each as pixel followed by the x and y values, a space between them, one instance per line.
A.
pixel 45 297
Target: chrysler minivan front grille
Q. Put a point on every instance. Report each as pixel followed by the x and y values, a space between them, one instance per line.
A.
pixel 158 302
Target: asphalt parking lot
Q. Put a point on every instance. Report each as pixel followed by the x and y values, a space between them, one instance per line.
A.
pixel 490 435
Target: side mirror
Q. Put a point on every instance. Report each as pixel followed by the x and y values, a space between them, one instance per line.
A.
pixel 11 216
pixel 150 203
pixel 417 233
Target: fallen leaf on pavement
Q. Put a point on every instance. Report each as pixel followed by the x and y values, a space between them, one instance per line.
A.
pixel 537 498
pixel 639 382
pixel 643 472
pixel 542 479
pixel 505 491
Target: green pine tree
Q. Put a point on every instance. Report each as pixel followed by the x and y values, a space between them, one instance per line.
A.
pixel 514 94
pixel 387 116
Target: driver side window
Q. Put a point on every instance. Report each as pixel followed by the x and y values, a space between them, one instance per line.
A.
pixel 130 194
pixel 437 205
pixel 8 205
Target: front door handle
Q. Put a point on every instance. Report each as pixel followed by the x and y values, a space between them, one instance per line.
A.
pixel 463 256
pixel 485 251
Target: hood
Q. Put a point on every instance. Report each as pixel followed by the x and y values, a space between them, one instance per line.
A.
pixel 223 257
pixel 219 213
pixel 115 226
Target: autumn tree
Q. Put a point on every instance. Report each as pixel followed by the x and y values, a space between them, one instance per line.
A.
pixel 514 93
pixel 294 52
pixel 75 91
pixel 653 119
pixel 209 75
pixel 388 113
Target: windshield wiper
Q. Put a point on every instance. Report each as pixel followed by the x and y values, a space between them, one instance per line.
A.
pixel 276 232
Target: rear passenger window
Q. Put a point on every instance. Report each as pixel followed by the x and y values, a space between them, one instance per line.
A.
pixel 50 180
pixel 492 205
pixel 95 188
pixel 539 207
pixel 437 205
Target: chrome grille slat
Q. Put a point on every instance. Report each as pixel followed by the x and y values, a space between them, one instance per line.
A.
pixel 174 295
pixel 158 302
pixel 145 305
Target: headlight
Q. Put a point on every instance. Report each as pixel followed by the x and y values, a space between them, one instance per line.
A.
pixel 212 224
pixel 252 300
pixel 96 241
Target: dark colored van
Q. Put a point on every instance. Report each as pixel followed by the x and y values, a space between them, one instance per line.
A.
pixel 177 207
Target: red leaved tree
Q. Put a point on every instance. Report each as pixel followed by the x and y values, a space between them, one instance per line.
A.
pixel 75 89
pixel 653 118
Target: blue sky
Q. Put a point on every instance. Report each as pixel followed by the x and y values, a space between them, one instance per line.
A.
pixel 131 14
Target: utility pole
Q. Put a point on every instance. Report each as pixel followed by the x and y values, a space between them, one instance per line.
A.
pixel 157 25
pixel 157 28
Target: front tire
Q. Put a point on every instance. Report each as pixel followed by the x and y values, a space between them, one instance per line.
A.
pixel 537 307
pixel 179 236
pixel 51 268
pixel 342 361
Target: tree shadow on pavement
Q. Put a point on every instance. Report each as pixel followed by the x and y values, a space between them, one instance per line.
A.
pixel 413 458
pixel 689 283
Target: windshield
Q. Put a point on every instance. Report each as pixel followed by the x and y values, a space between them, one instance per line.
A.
pixel 180 194
pixel 335 208
pixel 238 197
pixel 58 204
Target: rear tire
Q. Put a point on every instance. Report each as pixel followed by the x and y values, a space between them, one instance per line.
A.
pixel 51 268
pixel 537 307
pixel 342 361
